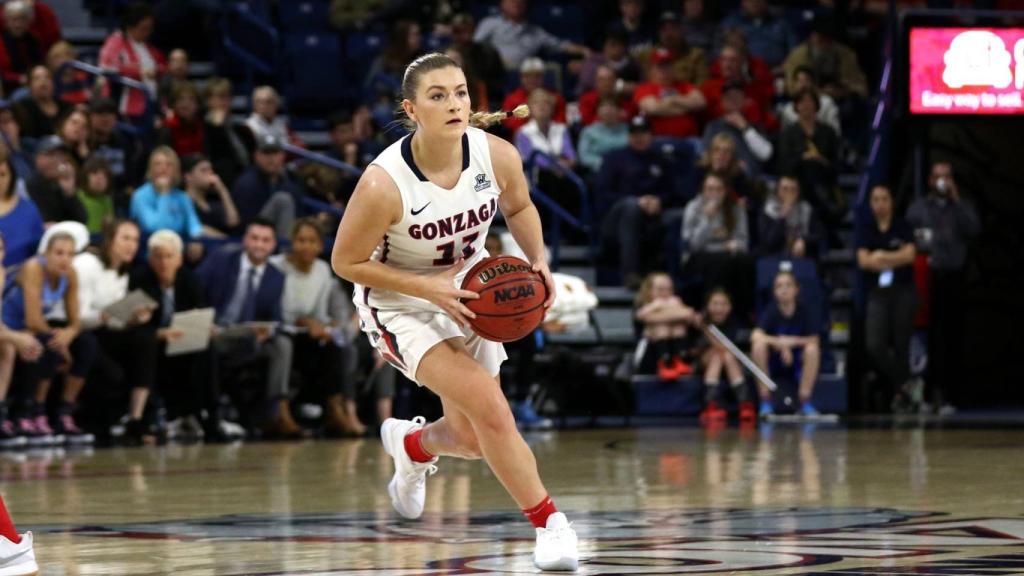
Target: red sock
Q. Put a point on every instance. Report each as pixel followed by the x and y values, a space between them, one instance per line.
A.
pixel 414 447
pixel 7 529
pixel 538 515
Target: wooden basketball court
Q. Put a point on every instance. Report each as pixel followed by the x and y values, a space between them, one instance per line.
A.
pixel 779 499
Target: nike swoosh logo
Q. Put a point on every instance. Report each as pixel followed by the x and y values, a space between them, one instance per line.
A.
pixel 417 212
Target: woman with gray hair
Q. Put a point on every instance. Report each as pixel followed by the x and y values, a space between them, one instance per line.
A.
pixel 183 380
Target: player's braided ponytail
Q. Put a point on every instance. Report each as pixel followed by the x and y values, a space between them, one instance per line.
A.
pixel 488 119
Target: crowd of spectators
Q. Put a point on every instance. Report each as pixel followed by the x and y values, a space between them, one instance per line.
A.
pixel 705 139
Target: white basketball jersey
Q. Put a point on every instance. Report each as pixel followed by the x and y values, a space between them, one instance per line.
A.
pixel 438 226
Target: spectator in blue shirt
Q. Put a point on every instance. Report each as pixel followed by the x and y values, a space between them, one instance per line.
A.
pixel 264 190
pixel 160 204
pixel 607 134
pixel 20 222
pixel 768 37
pixel 786 342
pixel 635 184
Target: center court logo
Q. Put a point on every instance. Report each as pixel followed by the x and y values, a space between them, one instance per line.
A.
pixel 798 540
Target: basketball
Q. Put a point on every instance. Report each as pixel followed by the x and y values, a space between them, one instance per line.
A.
pixel 512 295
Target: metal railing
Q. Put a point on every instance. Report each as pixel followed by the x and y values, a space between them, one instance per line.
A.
pixel 584 222
pixel 312 203
pixel 145 123
pixel 252 61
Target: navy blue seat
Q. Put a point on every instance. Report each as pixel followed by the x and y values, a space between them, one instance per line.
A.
pixel 317 79
pixel 361 49
pixel 563 19
pixel 307 16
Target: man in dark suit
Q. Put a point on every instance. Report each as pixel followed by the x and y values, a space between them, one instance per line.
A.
pixel 243 287
pixel 184 380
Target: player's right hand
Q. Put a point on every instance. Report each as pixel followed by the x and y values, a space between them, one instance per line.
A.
pixel 440 289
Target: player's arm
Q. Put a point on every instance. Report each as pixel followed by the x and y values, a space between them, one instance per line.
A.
pixel 520 213
pixel 375 205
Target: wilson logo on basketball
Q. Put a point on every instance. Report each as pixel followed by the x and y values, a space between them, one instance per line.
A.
pixel 501 269
pixel 514 293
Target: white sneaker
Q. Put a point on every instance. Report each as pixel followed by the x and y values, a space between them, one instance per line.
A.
pixel 556 545
pixel 18 559
pixel 408 487
pixel 230 430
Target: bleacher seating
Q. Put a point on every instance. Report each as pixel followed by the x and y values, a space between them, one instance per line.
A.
pixel 317 80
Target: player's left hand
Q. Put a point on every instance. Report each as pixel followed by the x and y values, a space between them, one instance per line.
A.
pixel 541 267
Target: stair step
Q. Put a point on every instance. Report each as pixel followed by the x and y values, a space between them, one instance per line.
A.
pixel 587 273
pixel 843 256
pixel 574 254
pixel 201 70
pixel 315 140
pixel 849 180
pixel 842 297
pixel 83 35
pixel 614 295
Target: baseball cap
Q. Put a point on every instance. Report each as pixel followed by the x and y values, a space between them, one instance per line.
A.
pixel 51 143
pixel 269 143
pixel 639 124
pixel 531 65
pixel 668 16
pixel 662 56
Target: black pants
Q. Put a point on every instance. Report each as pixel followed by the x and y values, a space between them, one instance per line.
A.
pixel 83 355
pixel 127 358
pixel 889 326
pixel 324 367
pixel 186 384
pixel 947 320
pixel 632 237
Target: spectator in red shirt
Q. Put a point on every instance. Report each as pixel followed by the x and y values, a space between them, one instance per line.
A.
pixel 19 49
pixel 607 85
pixel 531 74
pixel 731 68
pixel 671 105
pixel 183 128
pixel 128 52
pixel 45 27
pixel 742 65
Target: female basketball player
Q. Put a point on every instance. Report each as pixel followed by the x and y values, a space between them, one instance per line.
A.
pixel 416 223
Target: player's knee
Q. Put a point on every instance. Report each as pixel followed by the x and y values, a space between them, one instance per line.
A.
pixel 812 349
pixel 758 344
pixel 6 352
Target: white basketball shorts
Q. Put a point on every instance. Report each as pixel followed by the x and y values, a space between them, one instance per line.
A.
pixel 403 337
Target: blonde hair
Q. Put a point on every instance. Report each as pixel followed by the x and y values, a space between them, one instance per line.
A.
pixel 487 119
pixel 437 61
pixel 168 239
pixel 170 154
pixel 722 139
pixel 643 295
